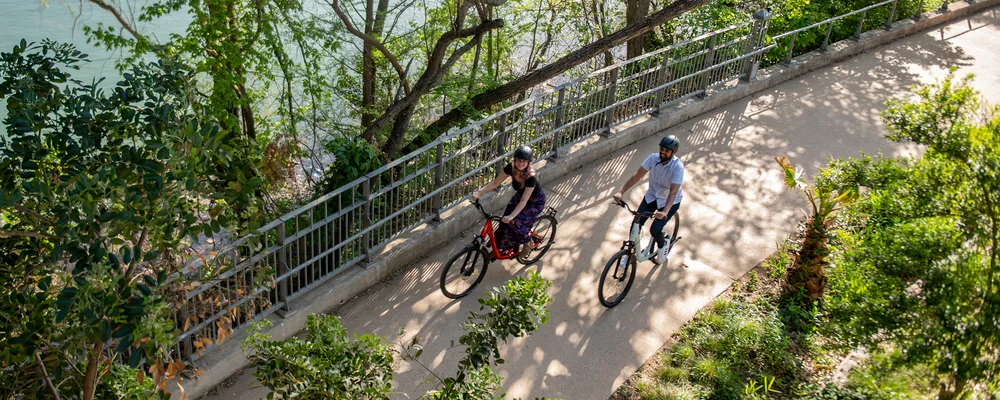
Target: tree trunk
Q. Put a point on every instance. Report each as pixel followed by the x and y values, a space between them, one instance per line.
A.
pixel 90 378
pixel 485 100
pixel 635 10
pixel 948 392
pixel 399 127
pixel 374 24
pixel 367 87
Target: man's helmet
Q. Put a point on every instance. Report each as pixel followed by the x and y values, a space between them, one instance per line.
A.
pixel 523 153
pixel 670 143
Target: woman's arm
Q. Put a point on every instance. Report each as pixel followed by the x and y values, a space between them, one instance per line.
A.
pixel 489 186
pixel 520 205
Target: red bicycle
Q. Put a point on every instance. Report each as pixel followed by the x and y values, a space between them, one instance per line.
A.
pixel 466 269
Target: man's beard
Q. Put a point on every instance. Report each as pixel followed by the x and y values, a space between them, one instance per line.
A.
pixel 664 160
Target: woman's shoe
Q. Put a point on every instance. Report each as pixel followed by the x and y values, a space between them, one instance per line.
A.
pixel 525 250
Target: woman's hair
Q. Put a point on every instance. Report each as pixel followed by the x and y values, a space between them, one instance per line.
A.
pixel 520 175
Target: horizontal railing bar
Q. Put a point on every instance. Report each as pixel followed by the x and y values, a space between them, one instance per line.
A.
pixel 830 20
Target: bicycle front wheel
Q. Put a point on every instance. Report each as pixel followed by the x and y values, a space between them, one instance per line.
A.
pixel 463 272
pixel 617 278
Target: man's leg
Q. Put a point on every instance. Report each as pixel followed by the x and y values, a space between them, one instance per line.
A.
pixel 656 229
pixel 644 207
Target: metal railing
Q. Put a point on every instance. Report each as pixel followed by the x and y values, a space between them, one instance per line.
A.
pixel 262 273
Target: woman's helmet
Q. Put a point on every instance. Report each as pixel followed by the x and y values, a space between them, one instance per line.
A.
pixel 523 153
pixel 670 143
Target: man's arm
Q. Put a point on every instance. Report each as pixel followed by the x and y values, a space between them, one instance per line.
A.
pixel 674 187
pixel 635 178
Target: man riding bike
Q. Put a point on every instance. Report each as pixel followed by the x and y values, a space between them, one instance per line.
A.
pixel 666 174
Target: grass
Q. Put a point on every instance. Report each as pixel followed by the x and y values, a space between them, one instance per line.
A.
pixel 737 339
pixel 742 346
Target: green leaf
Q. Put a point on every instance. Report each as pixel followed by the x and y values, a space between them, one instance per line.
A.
pixel 146 291
pixel 135 358
pixel 122 331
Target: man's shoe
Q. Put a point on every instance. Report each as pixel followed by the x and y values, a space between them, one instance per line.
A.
pixel 661 255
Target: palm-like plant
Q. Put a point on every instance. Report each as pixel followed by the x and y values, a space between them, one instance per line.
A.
pixel 807 274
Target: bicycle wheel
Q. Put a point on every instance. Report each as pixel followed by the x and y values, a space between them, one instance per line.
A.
pixel 463 272
pixel 617 278
pixel 543 233
pixel 673 236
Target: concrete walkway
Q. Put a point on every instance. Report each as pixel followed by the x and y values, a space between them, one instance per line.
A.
pixel 735 210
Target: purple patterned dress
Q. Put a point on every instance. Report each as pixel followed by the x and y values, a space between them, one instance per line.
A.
pixel 516 233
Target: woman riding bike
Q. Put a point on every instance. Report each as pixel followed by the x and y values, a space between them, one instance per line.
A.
pixel 523 208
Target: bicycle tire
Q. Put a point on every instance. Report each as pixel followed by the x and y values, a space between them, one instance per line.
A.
pixel 676 219
pixel 469 252
pixel 540 251
pixel 627 277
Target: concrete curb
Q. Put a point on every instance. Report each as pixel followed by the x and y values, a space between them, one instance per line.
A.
pixel 227 359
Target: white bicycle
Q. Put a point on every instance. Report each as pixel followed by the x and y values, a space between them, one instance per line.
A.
pixel 619 272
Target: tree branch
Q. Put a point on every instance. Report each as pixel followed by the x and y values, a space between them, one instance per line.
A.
pixel 487 99
pixel 90 379
pixel 8 234
pixel 45 376
pixel 370 40
pixel 121 19
pixel 433 73
pixel 34 214
pixel 135 260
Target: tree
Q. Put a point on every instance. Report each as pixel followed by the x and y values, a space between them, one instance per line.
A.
pixel 506 91
pixel 100 193
pixel 298 368
pixel 244 52
pixel 918 265
pixel 806 277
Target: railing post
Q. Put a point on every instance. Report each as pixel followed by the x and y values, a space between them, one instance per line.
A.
pixel 366 218
pixel 758 34
pixel 826 38
pixel 707 69
pixel 791 48
pixel 612 92
pixel 558 122
pixel 501 145
pixel 892 14
pixel 188 345
pixel 438 180
pixel 281 270
pixel 661 79
pixel 944 6
pixel 920 11
pixel 861 26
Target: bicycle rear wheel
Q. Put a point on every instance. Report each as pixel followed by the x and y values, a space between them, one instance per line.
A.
pixel 543 233
pixel 463 272
pixel 616 280
pixel 676 220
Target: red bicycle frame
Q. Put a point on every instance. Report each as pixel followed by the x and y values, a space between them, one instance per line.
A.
pixel 487 234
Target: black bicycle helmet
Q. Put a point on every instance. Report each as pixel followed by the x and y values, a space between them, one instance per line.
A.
pixel 670 143
pixel 523 153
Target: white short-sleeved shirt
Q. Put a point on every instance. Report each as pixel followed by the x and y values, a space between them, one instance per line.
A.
pixel 661 176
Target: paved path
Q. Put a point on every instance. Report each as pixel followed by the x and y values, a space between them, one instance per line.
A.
pixel 735 210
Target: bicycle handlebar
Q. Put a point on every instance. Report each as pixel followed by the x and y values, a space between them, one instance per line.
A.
pixel 625 205
pixel 479 206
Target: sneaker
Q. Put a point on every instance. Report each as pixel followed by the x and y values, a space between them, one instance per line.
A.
pixel 661 254
pixel 525 250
